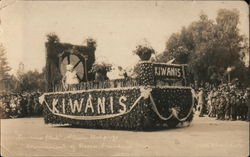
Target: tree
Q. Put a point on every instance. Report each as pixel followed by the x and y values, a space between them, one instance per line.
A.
pixel 4 67
pixel 90 43
pixel 144 50
pixel 209 47
pixel 31 81
pixel 20 71
pixel 53 38
pixel 5 78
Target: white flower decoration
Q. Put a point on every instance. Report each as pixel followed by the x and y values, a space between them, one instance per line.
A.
pixel 41 99
pixel 174 112
pixel 145 92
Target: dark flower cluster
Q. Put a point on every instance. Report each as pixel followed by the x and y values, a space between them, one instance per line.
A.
pixel 144 52
pixel 146 74
pixel 20 105
pixel 101 67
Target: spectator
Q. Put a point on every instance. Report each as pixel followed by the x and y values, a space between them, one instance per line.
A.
pixel 201 102
pixel 247 97
pixel 221 108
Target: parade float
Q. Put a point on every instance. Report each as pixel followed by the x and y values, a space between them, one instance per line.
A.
pixel 158 96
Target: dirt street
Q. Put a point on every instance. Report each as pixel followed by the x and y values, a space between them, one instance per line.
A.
pixel 204 137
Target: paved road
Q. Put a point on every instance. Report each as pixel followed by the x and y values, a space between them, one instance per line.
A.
pixel 204 137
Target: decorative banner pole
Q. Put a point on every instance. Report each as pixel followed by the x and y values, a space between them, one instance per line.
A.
pixel 85 62
pixel 229 69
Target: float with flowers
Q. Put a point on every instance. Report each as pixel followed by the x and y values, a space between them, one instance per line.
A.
pixel 158 96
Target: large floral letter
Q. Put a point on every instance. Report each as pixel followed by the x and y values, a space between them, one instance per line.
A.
pixel 122 104
pixel 101 105
pixel 89 105
pixel 54 103
pixel 75 105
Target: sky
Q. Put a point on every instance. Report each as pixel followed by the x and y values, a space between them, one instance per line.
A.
pixel 117 26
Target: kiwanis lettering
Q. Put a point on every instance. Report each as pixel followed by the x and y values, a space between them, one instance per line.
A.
pixel 98 106
pixel 168 71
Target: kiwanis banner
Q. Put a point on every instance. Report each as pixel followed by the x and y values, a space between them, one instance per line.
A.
pixel 167 71
pixel 91 105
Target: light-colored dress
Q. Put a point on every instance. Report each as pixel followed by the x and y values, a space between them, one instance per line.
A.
pixel 71 78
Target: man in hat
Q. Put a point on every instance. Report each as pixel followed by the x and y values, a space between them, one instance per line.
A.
pixel 233 105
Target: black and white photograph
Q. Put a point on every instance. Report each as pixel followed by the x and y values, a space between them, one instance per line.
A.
pixel 124 78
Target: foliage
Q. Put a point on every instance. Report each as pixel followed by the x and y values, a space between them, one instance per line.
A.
pixel 31 81
pixel 144 51
pixel 101 67
pixel 20 71
pixel 6 80
pixel 52 38
pixel 91 43
pixel 4 67
pixel 209 47
pixel 20 105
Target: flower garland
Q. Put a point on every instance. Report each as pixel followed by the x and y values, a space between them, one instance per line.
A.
pixel 174 111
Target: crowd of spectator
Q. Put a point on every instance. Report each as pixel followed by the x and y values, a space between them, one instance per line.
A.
pixel 14 105
pixel 224 102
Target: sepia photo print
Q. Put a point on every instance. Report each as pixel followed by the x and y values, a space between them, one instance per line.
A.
pixel 124 78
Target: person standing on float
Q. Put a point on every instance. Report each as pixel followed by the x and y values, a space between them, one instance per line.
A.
pixel 70 79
